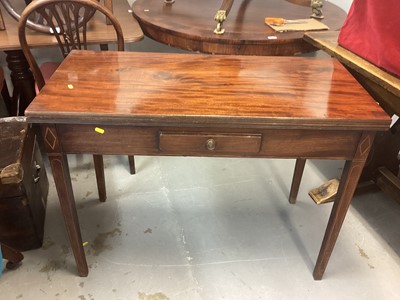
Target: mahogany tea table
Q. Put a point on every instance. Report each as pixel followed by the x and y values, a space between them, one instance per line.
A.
pixel 206 105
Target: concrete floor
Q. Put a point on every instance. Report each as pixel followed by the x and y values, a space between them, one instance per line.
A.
pixel 210 228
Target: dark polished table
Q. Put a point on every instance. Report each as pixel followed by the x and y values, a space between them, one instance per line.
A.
pixel 98 33
pixel 190 24
pixel 206 105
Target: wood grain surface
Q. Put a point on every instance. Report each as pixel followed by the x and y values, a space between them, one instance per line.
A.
pixel 291 91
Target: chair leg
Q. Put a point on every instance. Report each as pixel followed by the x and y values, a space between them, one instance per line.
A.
pixel 298 173
pixel 132 167
pixel 101 183
pixel 14 257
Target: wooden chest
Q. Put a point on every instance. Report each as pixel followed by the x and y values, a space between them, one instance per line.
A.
pixel 23 186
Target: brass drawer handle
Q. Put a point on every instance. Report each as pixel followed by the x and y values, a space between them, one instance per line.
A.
pixel 211 144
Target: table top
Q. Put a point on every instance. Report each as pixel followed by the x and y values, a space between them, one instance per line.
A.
pixel 328 41
pixel 98 31
pixel 190 25
pixel 93 87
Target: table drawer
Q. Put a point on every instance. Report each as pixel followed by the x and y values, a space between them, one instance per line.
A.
pixel 193 143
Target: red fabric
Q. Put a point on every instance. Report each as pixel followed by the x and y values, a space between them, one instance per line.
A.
pixel 372 31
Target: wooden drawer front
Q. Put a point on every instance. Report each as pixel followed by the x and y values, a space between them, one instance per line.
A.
pixel 310 143
pixel 111 139
pixel 209 143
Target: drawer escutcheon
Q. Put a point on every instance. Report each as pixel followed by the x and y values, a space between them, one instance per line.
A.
pixel 211 144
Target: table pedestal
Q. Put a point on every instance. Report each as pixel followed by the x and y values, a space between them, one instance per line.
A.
pixel 23 81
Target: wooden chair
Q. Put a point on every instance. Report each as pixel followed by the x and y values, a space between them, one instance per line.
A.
pixel 68 21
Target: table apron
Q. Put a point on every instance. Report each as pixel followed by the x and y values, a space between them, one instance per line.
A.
pixel 203 141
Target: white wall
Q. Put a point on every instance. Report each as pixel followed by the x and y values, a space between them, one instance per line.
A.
pixel 344 4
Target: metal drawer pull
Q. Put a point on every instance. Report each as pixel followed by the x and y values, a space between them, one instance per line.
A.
pixel 211 144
